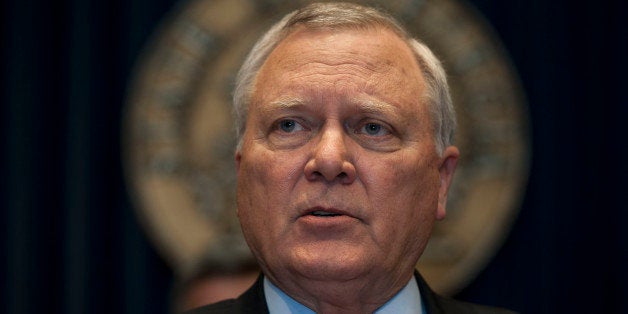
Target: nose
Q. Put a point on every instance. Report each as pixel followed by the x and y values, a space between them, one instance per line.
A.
pixel 330 159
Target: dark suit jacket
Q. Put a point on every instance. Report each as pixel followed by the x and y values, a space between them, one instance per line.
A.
pixel 254 301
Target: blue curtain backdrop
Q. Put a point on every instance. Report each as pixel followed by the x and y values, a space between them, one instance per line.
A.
pixel 70 242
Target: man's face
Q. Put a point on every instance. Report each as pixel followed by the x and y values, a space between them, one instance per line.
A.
pixel 338 176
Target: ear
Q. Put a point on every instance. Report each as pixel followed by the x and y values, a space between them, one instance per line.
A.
pixel 238 158
pixel 446 169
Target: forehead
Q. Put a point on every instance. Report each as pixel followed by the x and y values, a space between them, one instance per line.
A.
pixel 374 61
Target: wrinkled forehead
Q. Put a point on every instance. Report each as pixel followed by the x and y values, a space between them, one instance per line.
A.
pixel 367 30
pixel 384 46
pixel 375 60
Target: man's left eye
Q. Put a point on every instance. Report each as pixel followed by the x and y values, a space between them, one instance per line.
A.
pixel 373 129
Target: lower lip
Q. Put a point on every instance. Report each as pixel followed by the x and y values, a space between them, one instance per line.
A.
pixel 327 222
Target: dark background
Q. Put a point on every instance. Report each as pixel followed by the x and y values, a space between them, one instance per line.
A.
pixel 70 242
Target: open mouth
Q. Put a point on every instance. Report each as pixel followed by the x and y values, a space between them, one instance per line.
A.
pixel 322 213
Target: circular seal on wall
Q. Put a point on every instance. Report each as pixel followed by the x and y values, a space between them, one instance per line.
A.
pixel 179 141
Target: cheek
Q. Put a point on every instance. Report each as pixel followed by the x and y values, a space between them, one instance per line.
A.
pixel 403 191
pixel 403 208
pixel 264 182
pixel 253 204
pixel 401 177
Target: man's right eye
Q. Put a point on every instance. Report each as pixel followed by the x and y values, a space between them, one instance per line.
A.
pixel 287 133
pixel 289 126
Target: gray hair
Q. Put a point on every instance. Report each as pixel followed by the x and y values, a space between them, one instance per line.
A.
pixel 348 16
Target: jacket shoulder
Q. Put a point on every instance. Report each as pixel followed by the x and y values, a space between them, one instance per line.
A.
pixel 436 304
pixel 251 301
pixel 448 305
pixel 226 306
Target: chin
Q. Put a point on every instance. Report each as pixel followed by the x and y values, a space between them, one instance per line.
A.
pixel 330 264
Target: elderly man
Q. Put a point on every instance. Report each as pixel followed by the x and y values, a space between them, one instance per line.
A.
pixel 343 164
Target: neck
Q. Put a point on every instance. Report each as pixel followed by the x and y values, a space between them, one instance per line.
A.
pixel 342 296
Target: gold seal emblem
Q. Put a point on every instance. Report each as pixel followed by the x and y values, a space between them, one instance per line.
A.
pixel 179 144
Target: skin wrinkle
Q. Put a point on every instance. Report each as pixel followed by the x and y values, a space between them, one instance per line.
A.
pixel 344 64
pixel 348 57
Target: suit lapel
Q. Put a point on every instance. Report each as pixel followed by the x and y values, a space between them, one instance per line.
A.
pixel 428 297
pixel 253 300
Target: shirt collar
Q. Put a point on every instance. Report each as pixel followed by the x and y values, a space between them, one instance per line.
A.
pixel 406 301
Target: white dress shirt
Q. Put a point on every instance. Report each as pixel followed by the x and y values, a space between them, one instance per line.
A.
pixel 406 301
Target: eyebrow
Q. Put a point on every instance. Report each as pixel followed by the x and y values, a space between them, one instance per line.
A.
pixel 378 108
pixel 280 105
pixel 287 103
pixel 372 106
pixel 369 106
